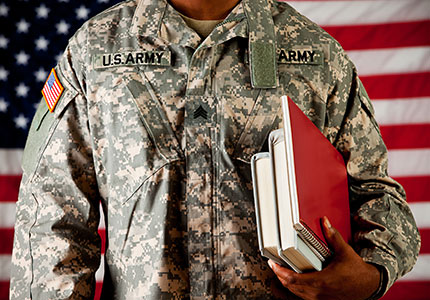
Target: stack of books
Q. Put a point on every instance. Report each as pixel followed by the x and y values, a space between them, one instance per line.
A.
pixel 301 179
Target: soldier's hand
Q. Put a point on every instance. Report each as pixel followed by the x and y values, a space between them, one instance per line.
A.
pixel 346 277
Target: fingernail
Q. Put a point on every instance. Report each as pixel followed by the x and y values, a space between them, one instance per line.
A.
pixel 327 223
pixel 270 263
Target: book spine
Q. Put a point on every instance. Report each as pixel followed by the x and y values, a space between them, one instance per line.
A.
pixel 254 158
pixel 310 239
pixel 290 263
pixel 276 259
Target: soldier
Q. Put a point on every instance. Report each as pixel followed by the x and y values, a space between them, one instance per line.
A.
pixel 156 115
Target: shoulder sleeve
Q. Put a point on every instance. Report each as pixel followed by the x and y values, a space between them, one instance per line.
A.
pixel 56 246
pixel 384 230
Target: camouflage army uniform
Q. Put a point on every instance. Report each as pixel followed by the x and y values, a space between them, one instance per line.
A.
pixel 159 127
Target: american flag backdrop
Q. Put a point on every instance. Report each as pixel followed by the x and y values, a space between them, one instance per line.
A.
pixel 389 41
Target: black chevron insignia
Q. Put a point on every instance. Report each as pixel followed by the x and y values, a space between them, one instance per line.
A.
pixel 200 112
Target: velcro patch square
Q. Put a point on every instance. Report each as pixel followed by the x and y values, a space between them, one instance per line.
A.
pixel 52 90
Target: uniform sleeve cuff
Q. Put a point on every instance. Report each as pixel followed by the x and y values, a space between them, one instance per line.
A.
pixel 387 266
pixel 380 291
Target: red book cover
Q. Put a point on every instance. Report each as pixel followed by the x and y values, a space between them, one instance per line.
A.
pixel 321 177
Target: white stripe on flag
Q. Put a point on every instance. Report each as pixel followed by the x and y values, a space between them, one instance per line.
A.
pixel 363 12
pixel 101 270
pixel 10 161
pixel 402 111
pixel 56 89
pixel 46 89
pixel 102 224
pixel 50 97
pixel 7 214
pixel 412 162
pixel 391 61
pixel 421 212
pixel 5 264
pixel 421 271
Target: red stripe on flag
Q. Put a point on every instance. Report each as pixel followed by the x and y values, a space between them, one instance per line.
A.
pixel 4 290
pixel 47 92
pixel 416 188
pixel 48 95
pixel 6 237
pixel 411 85
pixel 379 36
pixel 55 89
pixel 102 233
pixel 51 97
pixel 425 240
pixel 9 186
pixel 406 136
pixel 99 286
pixel 410 290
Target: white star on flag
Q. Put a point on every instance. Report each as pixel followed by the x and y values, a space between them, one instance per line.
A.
pixel 42 12
pixel 22 26
pixel 58 56
pixel 4 10
pixel 62 27
pixel 3 74
pixel 42 43
pixel 21 121
pixel 22 58
pixel 41 75
pixel 3 42
pixel 3 105
pixel 22 90
pixel 82 12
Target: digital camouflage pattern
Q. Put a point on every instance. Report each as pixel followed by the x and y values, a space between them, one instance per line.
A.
pixel 165 146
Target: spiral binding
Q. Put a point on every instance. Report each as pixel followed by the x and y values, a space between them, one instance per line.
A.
pixel 315 251
pixel 316 245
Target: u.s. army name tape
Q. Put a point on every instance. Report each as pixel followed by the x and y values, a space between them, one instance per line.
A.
pixel 300 56
pixel 158 58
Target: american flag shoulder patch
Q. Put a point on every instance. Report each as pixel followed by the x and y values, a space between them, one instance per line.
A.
pixel 52 90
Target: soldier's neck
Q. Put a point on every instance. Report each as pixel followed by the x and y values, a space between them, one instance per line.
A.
pixel 204 9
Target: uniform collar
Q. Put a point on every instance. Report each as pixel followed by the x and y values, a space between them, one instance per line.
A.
pixel 147 17
pixel 158 19
pixel 250 19
pixel 150 15
pixel 234 25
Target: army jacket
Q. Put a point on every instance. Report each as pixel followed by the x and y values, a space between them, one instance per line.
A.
pixel 159 127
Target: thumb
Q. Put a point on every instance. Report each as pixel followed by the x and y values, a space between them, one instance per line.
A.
pixel 334 238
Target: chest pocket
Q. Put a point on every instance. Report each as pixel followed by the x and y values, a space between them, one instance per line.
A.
pixel 154 118
pixel 147 149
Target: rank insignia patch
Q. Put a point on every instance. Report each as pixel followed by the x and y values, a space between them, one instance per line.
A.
pixel 52 90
